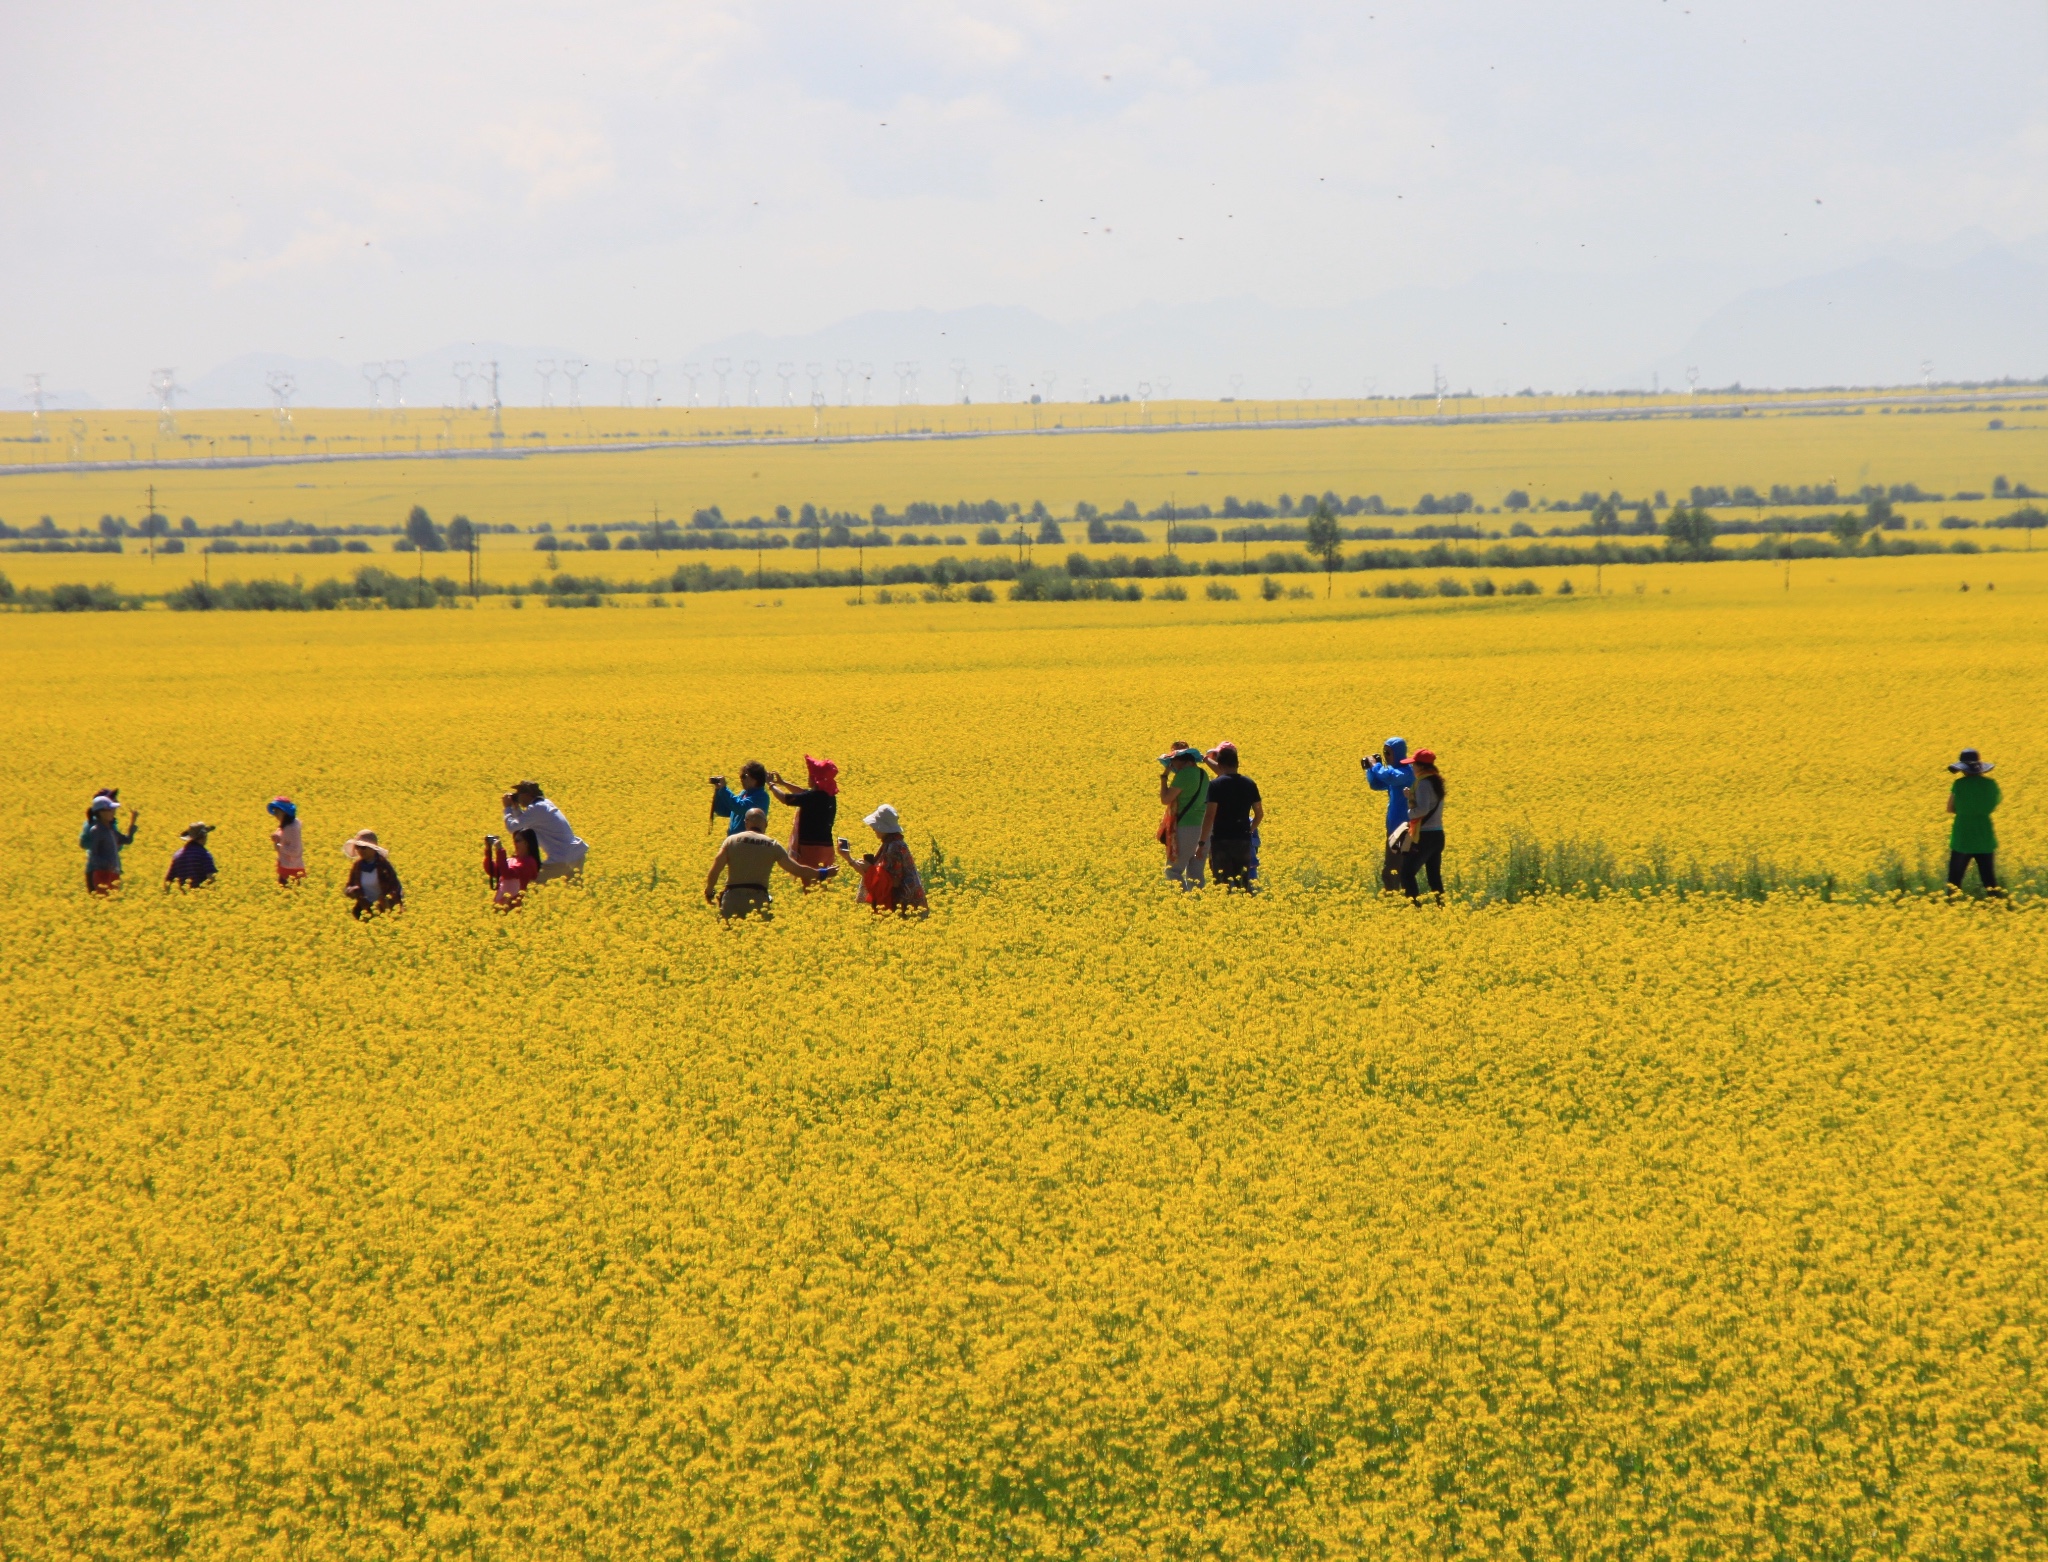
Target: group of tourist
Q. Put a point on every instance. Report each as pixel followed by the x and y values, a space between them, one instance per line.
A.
pixel 1415 816
pixel 1212 819
pixel 889 879
pixel 539 846
pixel 1211 828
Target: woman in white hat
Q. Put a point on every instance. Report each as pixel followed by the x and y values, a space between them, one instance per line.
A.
pixel 372 883
pixel 888 877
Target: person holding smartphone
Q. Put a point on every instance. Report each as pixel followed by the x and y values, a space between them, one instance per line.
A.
pixel 817 810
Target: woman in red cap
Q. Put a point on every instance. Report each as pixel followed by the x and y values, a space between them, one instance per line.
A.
pixel 1425 828
pixel 817 810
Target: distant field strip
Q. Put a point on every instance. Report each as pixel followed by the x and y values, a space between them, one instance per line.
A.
pixel 503 449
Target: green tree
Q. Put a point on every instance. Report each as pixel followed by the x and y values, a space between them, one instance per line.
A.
pixel 154 526
pixel 462 539
pixel 1689 533
pixel 1848 528
pixel 422 533
pixel 1326 543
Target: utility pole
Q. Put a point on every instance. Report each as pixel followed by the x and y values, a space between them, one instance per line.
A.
pixel 657 533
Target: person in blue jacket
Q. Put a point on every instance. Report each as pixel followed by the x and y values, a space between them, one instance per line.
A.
pixel 1390 772
pixel 732 806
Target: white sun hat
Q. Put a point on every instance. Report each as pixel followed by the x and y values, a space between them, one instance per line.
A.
pixel 884 819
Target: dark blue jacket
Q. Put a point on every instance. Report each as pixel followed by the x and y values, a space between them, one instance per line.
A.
pixel 1394 780
pixel 192 867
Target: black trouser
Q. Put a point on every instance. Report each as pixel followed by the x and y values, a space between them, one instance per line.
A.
pixel 1230 862
pixel 1428 854
pixel 1959 863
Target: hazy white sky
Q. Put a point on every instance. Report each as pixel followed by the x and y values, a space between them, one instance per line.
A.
pixel 184 183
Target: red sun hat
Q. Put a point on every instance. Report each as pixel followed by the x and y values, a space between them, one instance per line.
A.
pixel 824 774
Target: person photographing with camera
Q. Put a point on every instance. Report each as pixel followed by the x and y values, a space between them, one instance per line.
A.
pixel 1389 771
pixel 562 853
pixel 733 807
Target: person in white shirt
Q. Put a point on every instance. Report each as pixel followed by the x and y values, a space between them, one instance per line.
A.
pixel 562 853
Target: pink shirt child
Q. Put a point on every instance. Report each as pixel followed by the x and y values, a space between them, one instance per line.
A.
pixel 291 851
pixel 509 876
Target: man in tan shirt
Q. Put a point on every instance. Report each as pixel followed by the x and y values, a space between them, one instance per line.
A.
pixel 746 858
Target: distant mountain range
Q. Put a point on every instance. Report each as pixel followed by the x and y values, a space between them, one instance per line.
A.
pixel 1970 309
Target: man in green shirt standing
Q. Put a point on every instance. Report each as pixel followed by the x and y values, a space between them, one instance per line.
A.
pixel 1972 798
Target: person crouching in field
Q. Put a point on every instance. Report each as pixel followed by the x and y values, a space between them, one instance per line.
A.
pixel 889 880
pixel 1972 798
pixel 746 858
pixel 101 840
pixel 372 884
pixel 1237 811
pixel 288 839
pixel 192 865
pixel 817 810
pixel 527 808
pixel 509 876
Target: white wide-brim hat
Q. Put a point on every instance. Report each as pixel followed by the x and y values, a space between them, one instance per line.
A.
pixel 884 819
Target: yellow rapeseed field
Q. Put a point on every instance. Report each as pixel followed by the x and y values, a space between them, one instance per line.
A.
pixel 1082 1218
pixel 1942 451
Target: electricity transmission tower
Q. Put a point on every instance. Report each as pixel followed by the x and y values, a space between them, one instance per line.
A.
pixel 163 385
pixel 623 368
pixel 573 370
pixel 282 387
pixel 545 368
pixel 786 372
pixel 722 367
pixel 35 403
pixel 752 370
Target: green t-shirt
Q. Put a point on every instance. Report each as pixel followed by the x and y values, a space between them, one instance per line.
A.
pixel 1191 794
pixel 1975 797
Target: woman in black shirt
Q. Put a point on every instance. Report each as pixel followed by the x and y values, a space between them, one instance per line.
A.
pixel 817 809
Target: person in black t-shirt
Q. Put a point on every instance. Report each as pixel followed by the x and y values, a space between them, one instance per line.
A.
pixel 1239 812
pixel 817 809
